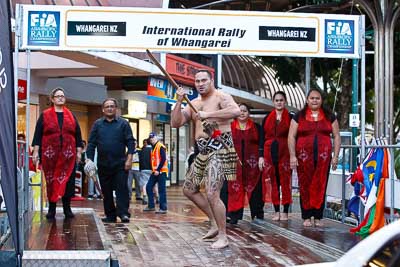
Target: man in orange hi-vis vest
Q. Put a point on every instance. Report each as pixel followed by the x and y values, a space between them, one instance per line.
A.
pixel 159 166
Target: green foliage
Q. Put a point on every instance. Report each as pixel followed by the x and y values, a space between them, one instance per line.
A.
pixel 324 75
pixel 287 69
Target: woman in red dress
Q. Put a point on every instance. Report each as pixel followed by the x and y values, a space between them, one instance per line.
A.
pixel 57 145
pixel 277 170
pixel 247 138
pixel 310 150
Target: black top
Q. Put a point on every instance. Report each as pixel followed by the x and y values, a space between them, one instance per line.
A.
pixel 111 139
pixel 145 158
pixel 260 140
pixel 37 137
pixel 291 116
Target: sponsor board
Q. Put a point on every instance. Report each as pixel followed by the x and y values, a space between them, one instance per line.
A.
pixel 44 28
pixel 191 31
pixel 98 28
pixel 339 36
pixel 299 34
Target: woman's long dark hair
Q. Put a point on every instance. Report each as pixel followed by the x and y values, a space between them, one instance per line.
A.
pixel 282 93
pixel 247 106
pixel 327 111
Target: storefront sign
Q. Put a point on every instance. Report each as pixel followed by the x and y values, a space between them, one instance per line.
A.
pixel 22 85
pixel 163 118
pixel 161 90
pixel 190 31
pixel 183 70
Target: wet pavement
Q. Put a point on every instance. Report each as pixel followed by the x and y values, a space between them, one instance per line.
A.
pixel 79 233
pixel 174 239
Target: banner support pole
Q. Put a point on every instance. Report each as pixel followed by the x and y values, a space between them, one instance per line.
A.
pixel 20 232
pixel 362 99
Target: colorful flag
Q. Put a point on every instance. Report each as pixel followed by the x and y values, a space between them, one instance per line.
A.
pixel 375 170
pixel 370 167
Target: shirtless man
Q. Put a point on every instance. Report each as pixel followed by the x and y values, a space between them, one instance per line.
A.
pixel 215 162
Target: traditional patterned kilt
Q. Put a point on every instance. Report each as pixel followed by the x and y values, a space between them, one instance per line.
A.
pixel 209 148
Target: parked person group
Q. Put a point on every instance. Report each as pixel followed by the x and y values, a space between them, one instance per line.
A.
pixel 282 144
pixel 238 163
pixel 263 173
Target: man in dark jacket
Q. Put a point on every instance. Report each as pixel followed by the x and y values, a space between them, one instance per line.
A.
pixel 112 135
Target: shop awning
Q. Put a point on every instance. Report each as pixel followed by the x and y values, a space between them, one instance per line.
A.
pixel 250 81
pixel 89 64
pixel 54 64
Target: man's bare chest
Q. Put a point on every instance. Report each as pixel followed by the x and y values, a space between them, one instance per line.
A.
pixel 208 105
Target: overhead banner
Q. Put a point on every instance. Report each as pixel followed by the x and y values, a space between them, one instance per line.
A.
pixel 8 151
pixel 190 31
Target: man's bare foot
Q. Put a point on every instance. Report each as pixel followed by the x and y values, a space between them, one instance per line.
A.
pixel 213 232
pixel 284 216
pixel 222 242
pixel 276 217
pixel 318 223
pixel 307 223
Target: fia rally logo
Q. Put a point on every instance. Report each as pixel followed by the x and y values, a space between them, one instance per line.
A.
pixel 43 28
pixel 339 36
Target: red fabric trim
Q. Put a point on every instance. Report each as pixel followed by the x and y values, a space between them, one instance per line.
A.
pixel 309 117
pixel 277 132
pixel 58 162
pixel 248 174
pixel 236 125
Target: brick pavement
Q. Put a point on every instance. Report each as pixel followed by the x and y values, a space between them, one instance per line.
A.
pixel 174 239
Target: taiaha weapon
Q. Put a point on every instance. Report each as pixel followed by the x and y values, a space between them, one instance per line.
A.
pixel 211 129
